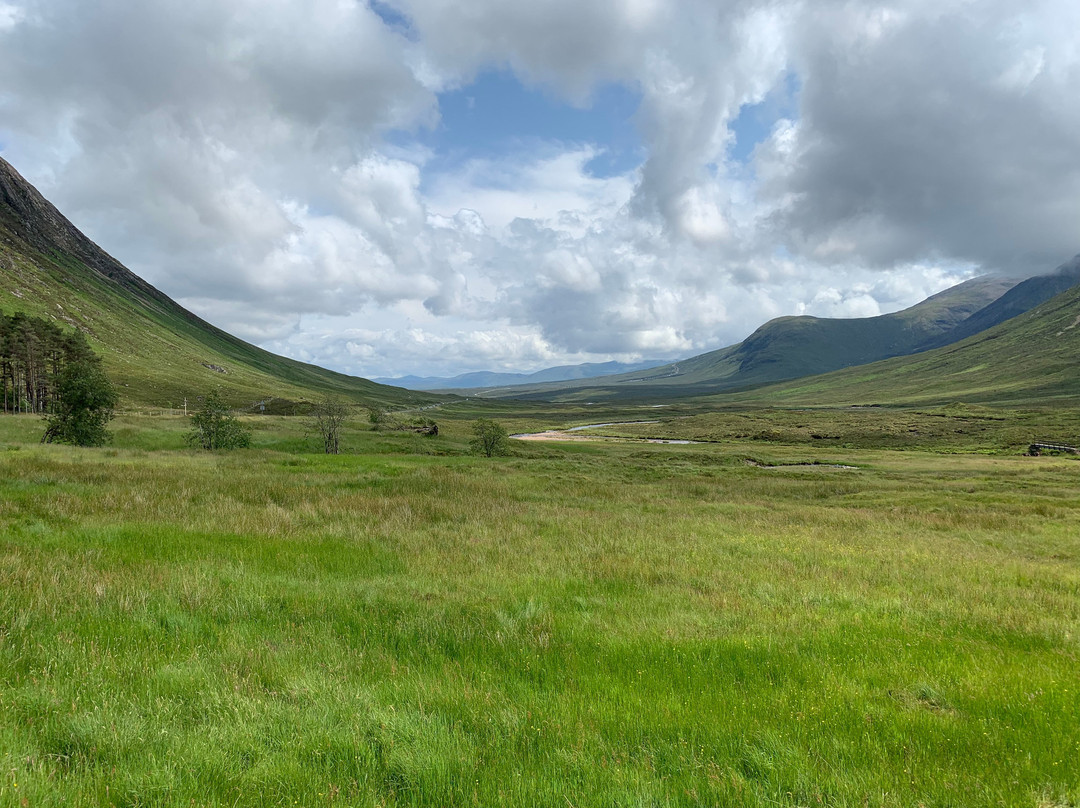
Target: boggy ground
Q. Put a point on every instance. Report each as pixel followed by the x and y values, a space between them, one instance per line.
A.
pixel 583 624
pixel 950 428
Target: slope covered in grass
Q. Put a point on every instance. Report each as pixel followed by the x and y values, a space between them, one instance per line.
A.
pixel 1021 298
pixel 1030 359
pixel 157 352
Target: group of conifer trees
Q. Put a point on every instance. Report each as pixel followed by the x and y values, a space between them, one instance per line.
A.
pixel 33 355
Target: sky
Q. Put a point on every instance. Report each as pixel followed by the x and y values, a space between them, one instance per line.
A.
pixel 392 187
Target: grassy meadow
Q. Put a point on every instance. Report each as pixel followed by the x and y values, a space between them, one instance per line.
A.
pixel 954 427
pixel 576 624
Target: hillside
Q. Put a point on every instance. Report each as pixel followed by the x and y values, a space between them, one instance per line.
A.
pixel 1021 298
pixel 1028 360
pixel 157 352
pixel 788 347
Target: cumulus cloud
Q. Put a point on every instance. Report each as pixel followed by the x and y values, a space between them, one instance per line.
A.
pixel 261 161
pixel 538 187
pixel 192 137
pixel 942 133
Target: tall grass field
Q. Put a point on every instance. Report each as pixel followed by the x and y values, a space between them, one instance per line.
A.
pixel 744 622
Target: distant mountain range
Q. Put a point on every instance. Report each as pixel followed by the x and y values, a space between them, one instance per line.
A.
pixel 794 347
pixel 483 378
pixel 157 352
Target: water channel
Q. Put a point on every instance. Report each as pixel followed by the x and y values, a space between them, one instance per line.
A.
pixel 566 434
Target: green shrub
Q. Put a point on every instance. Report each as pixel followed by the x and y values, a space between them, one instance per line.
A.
pixel 214 426
pixel 83 405
pixel 490 438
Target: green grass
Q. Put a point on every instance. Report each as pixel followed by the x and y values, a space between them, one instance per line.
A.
pixel 584 625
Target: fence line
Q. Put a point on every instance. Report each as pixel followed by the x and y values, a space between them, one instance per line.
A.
pixel 1035 448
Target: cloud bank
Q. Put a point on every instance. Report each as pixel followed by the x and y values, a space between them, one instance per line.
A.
pixel 277 166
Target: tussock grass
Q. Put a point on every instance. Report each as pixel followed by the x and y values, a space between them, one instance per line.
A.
pixel 611 624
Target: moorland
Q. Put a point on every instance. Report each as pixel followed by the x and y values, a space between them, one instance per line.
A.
pixel 767 618
pixel 849 589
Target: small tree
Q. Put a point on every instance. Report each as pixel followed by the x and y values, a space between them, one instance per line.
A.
pixel 213 426
pixel 84 404
pixel 329 416
pixel 490 438
pixel 377 416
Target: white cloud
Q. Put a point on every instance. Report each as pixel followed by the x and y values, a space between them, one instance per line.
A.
pixel 527 187
pixel 10 16
pixel 254 159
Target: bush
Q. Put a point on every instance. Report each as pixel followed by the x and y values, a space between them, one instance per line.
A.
pixel 214 426
pixel 377 416
pixel 329 417
pixel 491 438
pixel 84 404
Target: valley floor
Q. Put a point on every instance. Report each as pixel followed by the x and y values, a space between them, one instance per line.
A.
pixel 581 623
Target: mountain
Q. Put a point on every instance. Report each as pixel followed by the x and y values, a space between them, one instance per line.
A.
pixel 1021 298
pixel 789 347
pixel 483 378
pixel 155 351
pixel 1028 360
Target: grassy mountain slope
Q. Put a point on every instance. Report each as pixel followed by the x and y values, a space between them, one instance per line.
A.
pixel 1021 298
pixel 1028 360
pixel 788 347
pixel 157 352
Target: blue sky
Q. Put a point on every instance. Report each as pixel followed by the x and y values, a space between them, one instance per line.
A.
pixel 755 121
pixel 495 115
